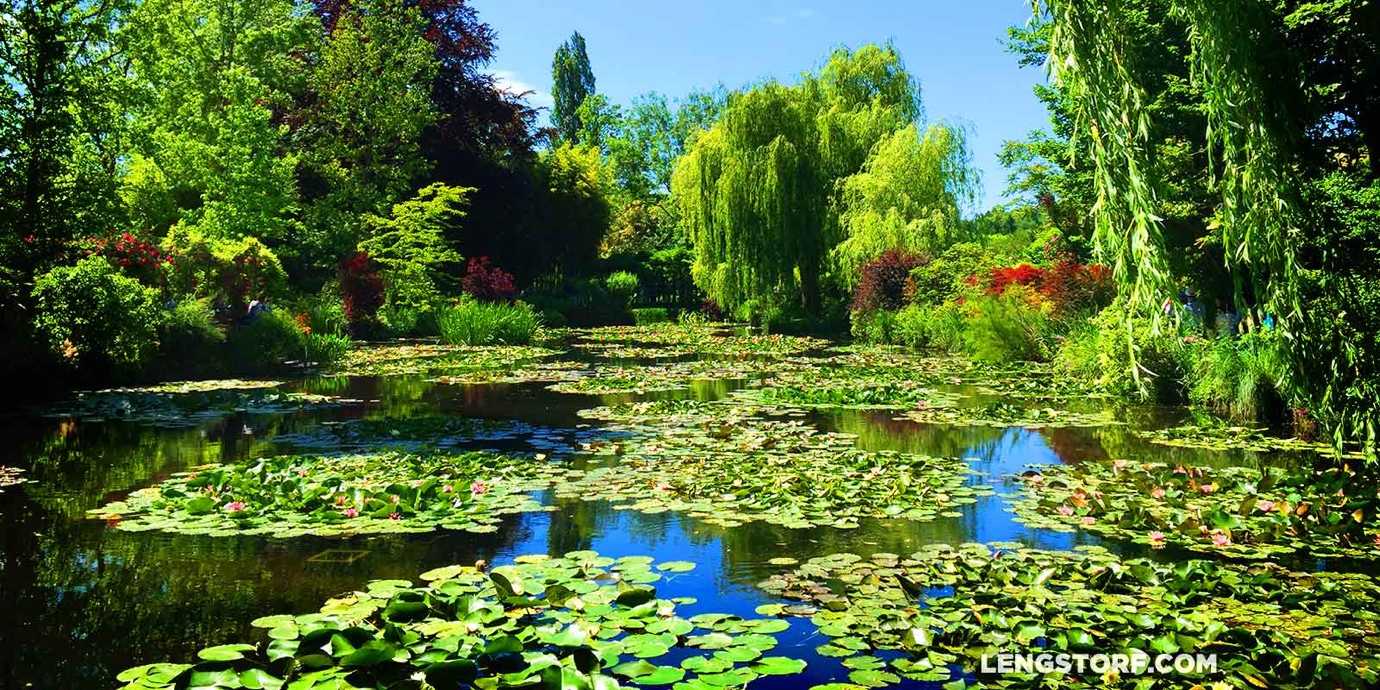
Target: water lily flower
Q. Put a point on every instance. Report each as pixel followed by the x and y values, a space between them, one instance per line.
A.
pixel 1265 506
pixel 448 488
pixel 301 473
pixel 1157 493
pixel 1036 479
pixel 478 488
pixel 1066 511
pixel 1088 520
pixel 1157 540
pixel 1120 465
pixel 1207 488
pixel 1376 541
pixel 351 513
pixel 234 506
pixel 340 499
pixel 1079 498
pixel 1220 538
pixel 394 516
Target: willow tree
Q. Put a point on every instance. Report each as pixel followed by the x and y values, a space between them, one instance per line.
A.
pixel 1239 61
pixel 759 193
pixel 909 195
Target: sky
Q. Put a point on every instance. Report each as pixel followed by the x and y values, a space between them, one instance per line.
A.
pixel 954 49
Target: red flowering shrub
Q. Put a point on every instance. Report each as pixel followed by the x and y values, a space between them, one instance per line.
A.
pixel 1068 284
pixel 883 281
pixel 137 258
pixel 361 288
pixel 487 282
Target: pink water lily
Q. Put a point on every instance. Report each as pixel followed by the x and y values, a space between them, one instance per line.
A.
pixel 1265 506
pixel 234 506
pixel 478 488
pixel 447 488
pixel 1220 538
pixel 1157 540
pixel 1377 539
pixel 1120 465
pixel 1207 488
pixel 1157 493
pixel 1066 511
pixel 1088 520
pixel 351 513
pixel 394 516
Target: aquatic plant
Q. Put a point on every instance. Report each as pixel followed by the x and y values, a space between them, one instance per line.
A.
pixel 577 621
pixel 188 404
pixel 294 495
pixel 1238 511
pixel 943 607
pixel 429 358
pixel 1005 414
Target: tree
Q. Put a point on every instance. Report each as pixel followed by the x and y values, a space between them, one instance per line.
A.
pixel 572 81
pixel 1270 143
pixel 211 80
pixel 410 244
pixel 909 196
pixel 577 209
pixel 360 128
pixel 758 191
pixel 58 156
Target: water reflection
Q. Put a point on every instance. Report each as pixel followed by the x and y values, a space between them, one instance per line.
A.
pixel 83 601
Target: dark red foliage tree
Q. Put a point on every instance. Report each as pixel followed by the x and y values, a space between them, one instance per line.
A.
pixel 883 282
pixel 361 289
pixel 487 282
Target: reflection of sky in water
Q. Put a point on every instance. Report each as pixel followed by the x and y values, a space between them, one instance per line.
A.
pixel 132 598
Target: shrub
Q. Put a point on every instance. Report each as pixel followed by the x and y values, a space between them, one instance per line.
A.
pixel 883 281
pixel 229 272
pixel 938 327
pixel 325 348
pixel 487 282
pixel 1011 327
pixel 1099 350
pixel 89 314
pixel 1240 376
pixel 324 312
pixel 135 257
pixel 189 339
pixel 266 341
pixel 622 286
pixel 940 280
pixel 875 326
pixel 361 289
pixel 1070 286
pixel 471 322
pixel 650 315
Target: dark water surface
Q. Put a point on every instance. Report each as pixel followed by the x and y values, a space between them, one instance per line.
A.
pixel 80 601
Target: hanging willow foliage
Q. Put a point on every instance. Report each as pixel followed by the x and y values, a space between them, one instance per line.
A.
pixel 1239 62
pixel 758 191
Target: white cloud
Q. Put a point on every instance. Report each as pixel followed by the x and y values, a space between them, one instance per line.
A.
pixel 509 81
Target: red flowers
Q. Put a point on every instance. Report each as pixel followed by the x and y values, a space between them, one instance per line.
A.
pixel 1068 284
pixel 361 286
pixel 486 281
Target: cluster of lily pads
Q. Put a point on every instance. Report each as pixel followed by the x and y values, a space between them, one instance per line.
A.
pixel 938 611
pixel 294 495
pixel 727 465
pixel 1239 511
pixel 1228 437
pixel 702 339
pixel 11 476
pixel 580 621
pixel 1005 414
pixel 417 433
pixel 189 404
pixel 438 360
pixel 607 380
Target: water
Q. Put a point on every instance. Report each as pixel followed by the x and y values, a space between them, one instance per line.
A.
pixel 81 601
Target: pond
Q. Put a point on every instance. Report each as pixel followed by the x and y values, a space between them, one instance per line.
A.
pixel 745 456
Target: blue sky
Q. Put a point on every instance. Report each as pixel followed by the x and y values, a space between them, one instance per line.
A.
pixel 955 49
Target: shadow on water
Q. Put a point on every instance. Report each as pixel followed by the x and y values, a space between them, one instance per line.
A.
pixel 82 601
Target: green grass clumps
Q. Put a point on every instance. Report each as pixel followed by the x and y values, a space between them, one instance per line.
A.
pixel 946 606
pixel 294 495
pixel 471 322
pixel 578 621
pixel 723 464
pixel 1237 511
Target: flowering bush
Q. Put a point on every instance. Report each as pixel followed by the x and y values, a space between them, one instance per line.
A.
pixel 1068 285
pixel 361 287
pixel 229 272
pixel 135 257
pixel 883 281
pixel 487 282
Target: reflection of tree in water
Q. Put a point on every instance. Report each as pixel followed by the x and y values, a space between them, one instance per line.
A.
pixel 879 430
pixel 103 600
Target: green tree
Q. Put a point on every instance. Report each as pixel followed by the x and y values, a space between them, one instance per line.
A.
pixel 411 244
pixel 209 79
pixel 909 195
pixel 758 191
pixel 576 206
pixel 360 130
pixel 572 81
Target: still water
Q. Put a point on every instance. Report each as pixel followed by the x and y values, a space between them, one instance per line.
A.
pixel 80 601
